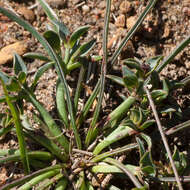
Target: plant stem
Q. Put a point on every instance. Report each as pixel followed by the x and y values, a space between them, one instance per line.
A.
pixel 125 170
pixel 19 132
pixel 177 128
pixel 163 138
pixel 103 75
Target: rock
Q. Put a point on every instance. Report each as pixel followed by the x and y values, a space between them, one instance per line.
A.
pixel 120 21
pixel 53 4
pixel 114 40
pixel 56 3
pixel 125 7
pixel 6 53
pixel 102 4
pixel 27 13
pixel 186 11
pixel 167 32
pixel 85 9
pixel 130 22
pixel 128 50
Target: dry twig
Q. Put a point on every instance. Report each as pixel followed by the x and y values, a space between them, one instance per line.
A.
pixel 164 138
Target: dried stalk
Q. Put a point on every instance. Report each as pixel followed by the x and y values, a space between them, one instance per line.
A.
pixel 163 138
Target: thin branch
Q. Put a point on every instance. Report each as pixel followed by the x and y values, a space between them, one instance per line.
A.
pixel 82 152
pixel 178 128
pixel 164 138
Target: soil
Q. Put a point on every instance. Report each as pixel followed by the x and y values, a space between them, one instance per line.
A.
pixel 162 30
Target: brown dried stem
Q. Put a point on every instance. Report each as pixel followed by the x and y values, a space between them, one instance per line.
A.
pixel 163 138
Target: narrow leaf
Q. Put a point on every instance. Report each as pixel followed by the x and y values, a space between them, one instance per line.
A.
pixel 34 55
pixel 19 130
pixel 61 105
pixel 119 133
pixel 40 72
pixel 19 65
pixel 116 79
pixel 77 34
pixel 53 39
pixel 129 77
pixel 38 179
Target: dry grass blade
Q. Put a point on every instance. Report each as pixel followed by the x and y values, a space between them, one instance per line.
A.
pixel 163 138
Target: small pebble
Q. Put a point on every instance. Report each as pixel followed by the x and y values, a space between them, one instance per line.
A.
pixel 120 21
pixel 125 7
pixel 130 22
pixel 186 11
pixel 6 53
pixel 27 13
pixel 85 8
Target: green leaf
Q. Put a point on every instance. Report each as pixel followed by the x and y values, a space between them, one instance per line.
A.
pixel 48 10
pixel 125 170
pixel 40 72
pixel 136 116
pixel 59 26
pixel 148 140
pixel 48 144
pixel 147 165
pixel 166 85
pixel 53 39
pixel 129 77
pixel 96 57
pixel 19 65
pixel 54 130
pixel 155 80
pixel 38 179
pixel 4 77
pixel 145 187
pixel 12 98
pixel 24 179
pixel 77 34
pixel 82 50
pixel 62 184
pixel 154 62
pixel 14 156
pixel 34 55
pixel 148 170
pixel 5 130
pixel 121 110
pixel 61 104
pixel 116 79
pixel 147 124
pixel 13 85
pixel 114 152
pixel 119 133
pixel 22 77
pixel 62 29
pixel 47 184
pixel 19 129
pixel 103 167
pixel 133 64
pixel 141 147
pixel 159 95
